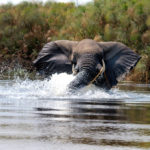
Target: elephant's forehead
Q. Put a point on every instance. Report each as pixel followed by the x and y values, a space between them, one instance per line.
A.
pixel 87 46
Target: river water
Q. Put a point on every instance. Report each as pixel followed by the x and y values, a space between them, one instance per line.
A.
pixel 42 115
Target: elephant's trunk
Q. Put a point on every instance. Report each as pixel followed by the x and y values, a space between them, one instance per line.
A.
pixel 87 75
pixel 82 79
pixel 86 71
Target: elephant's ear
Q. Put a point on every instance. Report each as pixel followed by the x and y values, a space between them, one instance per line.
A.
pixel 119 60
pixel 54 58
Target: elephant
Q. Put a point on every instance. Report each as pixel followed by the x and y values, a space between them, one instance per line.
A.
pixel 103 64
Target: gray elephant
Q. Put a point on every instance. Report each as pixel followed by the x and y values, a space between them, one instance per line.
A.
pixel 99 63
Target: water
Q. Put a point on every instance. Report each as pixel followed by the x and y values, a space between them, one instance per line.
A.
pixel 42 115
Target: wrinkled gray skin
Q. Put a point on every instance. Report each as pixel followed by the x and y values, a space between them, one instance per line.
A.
pixel 86 57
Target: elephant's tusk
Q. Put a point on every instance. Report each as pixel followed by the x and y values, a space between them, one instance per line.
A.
pixel 102 70
pixel 74 70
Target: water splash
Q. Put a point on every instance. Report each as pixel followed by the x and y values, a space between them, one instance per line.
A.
pixel 56 87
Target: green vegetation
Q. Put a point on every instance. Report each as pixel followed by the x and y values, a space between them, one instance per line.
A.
pixel 26 27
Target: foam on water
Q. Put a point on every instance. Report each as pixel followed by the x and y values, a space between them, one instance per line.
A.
pixel 56 87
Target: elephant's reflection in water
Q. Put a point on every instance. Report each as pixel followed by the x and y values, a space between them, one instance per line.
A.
pixel 78 120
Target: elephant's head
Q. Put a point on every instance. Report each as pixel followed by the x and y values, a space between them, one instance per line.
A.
pixel 87 61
